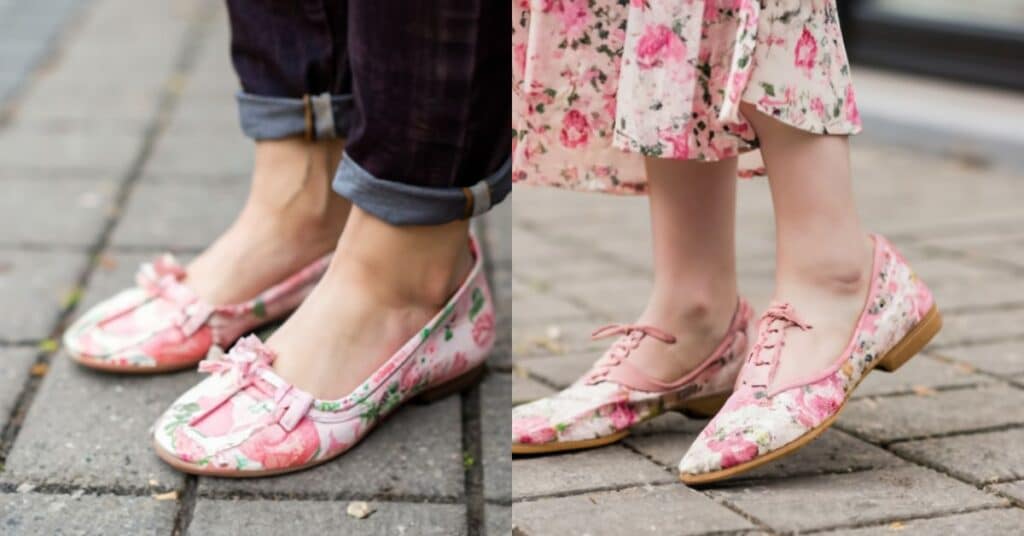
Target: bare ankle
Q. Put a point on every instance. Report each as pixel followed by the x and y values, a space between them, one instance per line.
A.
pixel 405 265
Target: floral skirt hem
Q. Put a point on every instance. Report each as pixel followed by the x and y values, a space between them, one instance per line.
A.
pixel 597 86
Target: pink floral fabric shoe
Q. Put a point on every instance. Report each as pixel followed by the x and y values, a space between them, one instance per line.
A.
pixel 161 325
pixel 762 421
pixel 244 420
pixel 605 403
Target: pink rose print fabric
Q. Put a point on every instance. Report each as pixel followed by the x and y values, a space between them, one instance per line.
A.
pixel 614 396
pixel 597 84
pixel 245 419
pixel 761 417
pixel 161 324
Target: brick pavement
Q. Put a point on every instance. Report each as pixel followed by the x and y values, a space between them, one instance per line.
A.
pixel 122 116
pixel 937 447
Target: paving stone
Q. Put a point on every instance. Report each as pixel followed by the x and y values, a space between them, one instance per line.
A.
pixel 854 499
pixel 609 467
pixel 103 422
pixel 921 371
pixel 36 284
pixel 415 452
pixel 186 153
pixel 666 439
pixel 496 436
pixel 29 209
pixel 906 417
pixel 561 370
pixel 257 518
pixel 69 151
pixel 1014 490
pixel 498 520
pixel 979 326
pixel 1006 358
pixel 178 215
pixel 670 509
pixel 527 390
pixel 573 336
pixel 14 371
pixel 539 307
pixel 31 514
pixel 998 521
pixel 979 458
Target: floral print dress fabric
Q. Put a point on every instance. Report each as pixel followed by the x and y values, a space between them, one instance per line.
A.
pixel 760 418
pixel 599 83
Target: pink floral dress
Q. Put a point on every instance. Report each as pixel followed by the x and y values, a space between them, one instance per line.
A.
pixel 597 84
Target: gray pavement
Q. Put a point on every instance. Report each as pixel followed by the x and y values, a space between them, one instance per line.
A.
pixel 936 448
pixel 118 115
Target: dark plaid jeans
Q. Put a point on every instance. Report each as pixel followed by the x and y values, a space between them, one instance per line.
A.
pixel 420 90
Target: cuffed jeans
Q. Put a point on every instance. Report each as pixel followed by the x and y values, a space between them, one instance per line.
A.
pixel 420 90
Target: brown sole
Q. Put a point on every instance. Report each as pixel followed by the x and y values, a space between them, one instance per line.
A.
pixel 102 366
pixel 908 347
pixel 703 407
pixel 453 386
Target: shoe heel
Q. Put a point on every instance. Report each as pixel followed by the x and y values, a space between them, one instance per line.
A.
pixel 913 342
pixel 704 407
pixel 455 385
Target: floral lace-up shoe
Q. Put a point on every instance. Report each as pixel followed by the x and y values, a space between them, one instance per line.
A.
pixel 161 325
pixel 601 407
pixel 244 420
pixel 762 421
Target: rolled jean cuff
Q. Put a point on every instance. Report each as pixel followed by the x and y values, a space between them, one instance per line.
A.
pixel 316 117
pixel 406 204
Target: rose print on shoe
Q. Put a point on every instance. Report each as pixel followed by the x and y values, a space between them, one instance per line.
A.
pixel 245 420
pixel 657 45
pixel 613 396
pixel 762 421
pixel 161 325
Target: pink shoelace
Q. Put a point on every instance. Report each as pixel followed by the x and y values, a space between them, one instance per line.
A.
pixel 763 359
pixel 632 335
pixel 246 359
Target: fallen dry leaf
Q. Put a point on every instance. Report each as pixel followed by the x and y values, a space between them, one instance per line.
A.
pixel 359 509
pixel 169 496
pixel 897 525
pixel 923 390
pixel 107 261
pixel 40 369
pixel 966 368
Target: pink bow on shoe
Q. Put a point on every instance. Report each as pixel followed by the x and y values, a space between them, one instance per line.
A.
pixel 246 358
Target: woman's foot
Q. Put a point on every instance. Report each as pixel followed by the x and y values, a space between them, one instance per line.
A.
pixel 257 272
pixel 617 393
pixel 830 297
pixel 383 285
pixel 768 416
pixel 245 419
pixel 291 218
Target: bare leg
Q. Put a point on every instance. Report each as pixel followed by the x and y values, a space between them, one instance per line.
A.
pixel 384 284
pixel 693 213
pixel 824 255
pixel 290 218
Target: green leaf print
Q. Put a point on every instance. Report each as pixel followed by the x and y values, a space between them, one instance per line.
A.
pixel 769 89
pixel 478 303
pixel 259 309
pixel 328 406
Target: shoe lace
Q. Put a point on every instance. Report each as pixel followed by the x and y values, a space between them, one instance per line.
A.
pixel 630 337
pixel 763 360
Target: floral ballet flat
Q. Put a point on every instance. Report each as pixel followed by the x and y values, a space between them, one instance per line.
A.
pixel 246 421
pixel 161 325
pixel 761 421
pixel 601 407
